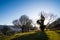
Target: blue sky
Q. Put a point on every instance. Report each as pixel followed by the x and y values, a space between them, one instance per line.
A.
pixel 13 9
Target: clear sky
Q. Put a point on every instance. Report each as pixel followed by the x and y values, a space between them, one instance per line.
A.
pixel 13 9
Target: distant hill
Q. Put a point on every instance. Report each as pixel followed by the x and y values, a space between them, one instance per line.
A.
pixel 11 28
pixel 55 25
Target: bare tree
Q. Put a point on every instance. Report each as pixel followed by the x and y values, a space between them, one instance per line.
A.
pixel 16 23
pixel 50 17
pixel 25 21
pixel 45 16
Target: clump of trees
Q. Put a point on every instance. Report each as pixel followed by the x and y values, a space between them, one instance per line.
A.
pixel 24 22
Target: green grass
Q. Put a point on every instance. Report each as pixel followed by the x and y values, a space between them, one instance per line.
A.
pixel 53 35
pixel 33 35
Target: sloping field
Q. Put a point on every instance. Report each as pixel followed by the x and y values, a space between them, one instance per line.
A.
pixel 53 35
pixel 47 35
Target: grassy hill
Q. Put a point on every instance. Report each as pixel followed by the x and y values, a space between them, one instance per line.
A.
pixel 33 35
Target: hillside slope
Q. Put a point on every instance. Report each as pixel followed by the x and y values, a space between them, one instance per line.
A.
pixel 47 35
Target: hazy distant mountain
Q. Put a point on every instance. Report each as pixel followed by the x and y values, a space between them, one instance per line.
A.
pixel 11 27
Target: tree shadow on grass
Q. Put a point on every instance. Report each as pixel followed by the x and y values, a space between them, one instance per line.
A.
pixel 58 32
pixel 35 36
